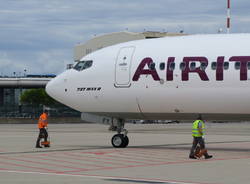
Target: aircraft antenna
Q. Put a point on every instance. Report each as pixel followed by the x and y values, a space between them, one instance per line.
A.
pixel 228 16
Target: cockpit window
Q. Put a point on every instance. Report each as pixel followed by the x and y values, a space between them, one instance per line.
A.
pixel 82 65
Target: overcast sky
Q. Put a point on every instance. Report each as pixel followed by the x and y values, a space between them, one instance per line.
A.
pixel 39 35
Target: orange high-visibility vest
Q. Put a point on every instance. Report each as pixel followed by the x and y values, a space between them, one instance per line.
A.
pixel 43 121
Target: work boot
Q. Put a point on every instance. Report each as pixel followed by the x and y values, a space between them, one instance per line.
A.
pixel 38 143
pixel 208 156
pixel 192 157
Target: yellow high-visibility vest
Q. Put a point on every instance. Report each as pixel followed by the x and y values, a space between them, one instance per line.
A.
pixel 195 130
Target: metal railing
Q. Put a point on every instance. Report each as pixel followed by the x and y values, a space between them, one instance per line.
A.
pixel 28 111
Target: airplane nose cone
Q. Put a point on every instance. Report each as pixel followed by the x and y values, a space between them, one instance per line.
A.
pixel 56 87
pixel 50 88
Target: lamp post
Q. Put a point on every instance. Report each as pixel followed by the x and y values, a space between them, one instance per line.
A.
pixel 24 72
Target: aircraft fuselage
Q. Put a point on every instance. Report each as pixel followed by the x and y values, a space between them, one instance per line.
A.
pixel 166 78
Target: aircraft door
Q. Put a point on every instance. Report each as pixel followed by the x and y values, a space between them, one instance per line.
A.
pixel 122 67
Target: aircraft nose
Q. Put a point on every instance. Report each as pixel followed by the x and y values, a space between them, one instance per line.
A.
pixel 57 88
pixel 50 88
pixel 54 88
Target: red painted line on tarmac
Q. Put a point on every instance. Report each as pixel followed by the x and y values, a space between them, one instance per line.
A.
pixel 121 166
pixel 162 154
pixel 145 156
pixel 101 152
pixel 76 157
pixel 141 165
pixel 91 159
pixel 111 158
pixel 231 158
pixel 227 155
pixel 156 151
pixel 120 159
pixel 164 151
pixel 30 167
pixel 129 166
pixel 99 167
pixel 230 144
pixel 158 164
pixel 105 177
pixel 37 162
pixel 148 179
pixel 140 158
pixel 61 161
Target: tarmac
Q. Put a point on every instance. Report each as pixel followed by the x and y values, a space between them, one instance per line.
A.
pixel 157 154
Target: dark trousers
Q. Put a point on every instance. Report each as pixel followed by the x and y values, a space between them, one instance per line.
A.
pixel 196 141
pixel 42 134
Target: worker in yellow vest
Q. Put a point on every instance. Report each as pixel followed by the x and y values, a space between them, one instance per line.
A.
pixel 198 138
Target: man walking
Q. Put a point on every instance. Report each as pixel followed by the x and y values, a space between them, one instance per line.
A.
pixel 42 125
pixel 198 138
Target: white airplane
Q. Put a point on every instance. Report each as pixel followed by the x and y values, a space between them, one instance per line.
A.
pixel 175 78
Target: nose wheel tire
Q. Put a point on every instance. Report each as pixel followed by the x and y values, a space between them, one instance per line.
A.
pixel 126 141
pixel 119 141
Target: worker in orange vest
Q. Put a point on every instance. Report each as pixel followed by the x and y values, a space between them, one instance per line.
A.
pixel 42 125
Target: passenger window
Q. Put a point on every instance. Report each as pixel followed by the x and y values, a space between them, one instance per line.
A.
pixel 226 65
pixel 214 65
pixel 248 65
pixel 152 66
pixel 192 66
pixel 182 66
pixel 82 65
pixel 172 66
pixel 203 66
pixel 162 66
pixel 237 65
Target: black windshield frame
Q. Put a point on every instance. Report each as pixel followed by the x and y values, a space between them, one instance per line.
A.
pixel 83 65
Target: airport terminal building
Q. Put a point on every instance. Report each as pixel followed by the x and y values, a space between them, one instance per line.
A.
pixel 11 89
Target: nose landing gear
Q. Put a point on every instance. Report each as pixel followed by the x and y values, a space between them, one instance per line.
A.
pixel 120 140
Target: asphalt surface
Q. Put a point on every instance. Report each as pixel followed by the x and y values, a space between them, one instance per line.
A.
pixel 82 153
